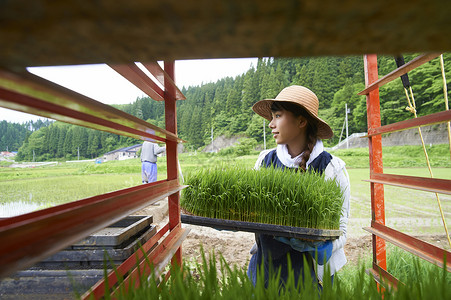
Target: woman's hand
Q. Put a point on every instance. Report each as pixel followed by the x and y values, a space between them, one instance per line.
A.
pixel 321 250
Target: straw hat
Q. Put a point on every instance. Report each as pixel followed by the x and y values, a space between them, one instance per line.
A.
pixel 301 96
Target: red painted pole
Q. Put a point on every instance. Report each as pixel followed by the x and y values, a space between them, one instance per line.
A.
pixel 171 153
pixel 375 153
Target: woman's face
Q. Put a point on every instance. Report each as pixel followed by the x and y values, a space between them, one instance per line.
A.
pixel 287 128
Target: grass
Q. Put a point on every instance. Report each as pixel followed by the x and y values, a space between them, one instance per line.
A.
pixel 268 195
pixel 4 163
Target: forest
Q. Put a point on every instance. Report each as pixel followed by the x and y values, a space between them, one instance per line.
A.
pixel 224 107
pixel 12 135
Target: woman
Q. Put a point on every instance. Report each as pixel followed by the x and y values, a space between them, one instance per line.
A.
pixel 298 131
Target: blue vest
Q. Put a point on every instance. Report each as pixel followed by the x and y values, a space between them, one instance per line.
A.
pixel 274 254
pixel 319 164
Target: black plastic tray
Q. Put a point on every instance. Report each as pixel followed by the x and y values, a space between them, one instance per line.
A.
pixel 276 230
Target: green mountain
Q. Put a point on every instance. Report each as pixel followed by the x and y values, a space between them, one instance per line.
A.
pixel 225 106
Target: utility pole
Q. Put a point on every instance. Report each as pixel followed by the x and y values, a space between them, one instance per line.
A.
pixel 264 134
pixel 346 119
pixel 212 144
pixel 78 153
pixel 348 111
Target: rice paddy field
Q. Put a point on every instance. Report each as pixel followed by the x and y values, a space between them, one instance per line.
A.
pixel 25 188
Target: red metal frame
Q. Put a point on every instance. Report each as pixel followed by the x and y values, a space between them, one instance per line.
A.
pixel 375 151
pixel 415 246
pixel 136 76
pixel 435 185
pixel 31 94
pixel 414 63
pixel 379 231
pixel 28 238
pixel 440 117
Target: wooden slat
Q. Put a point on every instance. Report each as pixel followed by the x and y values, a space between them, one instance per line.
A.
pixel 413 245
pixel 414 63
pixel 29 238
pixel 135 75
pixel 435 118
pixel 32 94
pixel 155 69
pixel 434 185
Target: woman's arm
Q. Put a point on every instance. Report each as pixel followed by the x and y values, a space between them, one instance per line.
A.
pixel 336 169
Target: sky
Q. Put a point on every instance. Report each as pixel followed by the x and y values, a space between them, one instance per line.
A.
pixel 103 84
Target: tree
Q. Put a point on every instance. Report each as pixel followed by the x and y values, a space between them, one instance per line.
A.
pixel 255 128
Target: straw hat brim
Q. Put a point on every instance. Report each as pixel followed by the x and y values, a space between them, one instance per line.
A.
pixel 263 108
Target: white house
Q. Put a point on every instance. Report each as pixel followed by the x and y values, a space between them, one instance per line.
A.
pixel 123 153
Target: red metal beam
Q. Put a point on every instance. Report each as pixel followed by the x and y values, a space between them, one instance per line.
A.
pixel 29 238
pixel 163 77
pixel 434 185
pixel 135 75
pixel 31 94
pixel 414 63
pixel 375 154
pixel 156 260
pixel 99 289
pixel 383 277
pixel 170 110
pixel 415 246
pixel 435 118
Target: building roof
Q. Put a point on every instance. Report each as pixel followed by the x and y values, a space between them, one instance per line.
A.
pixel 125 149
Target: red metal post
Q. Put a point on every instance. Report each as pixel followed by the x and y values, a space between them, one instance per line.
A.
pixel 171 153
pixel 375 153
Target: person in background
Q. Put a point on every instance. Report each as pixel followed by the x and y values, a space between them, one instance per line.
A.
pixel 298 132
pixel 149 152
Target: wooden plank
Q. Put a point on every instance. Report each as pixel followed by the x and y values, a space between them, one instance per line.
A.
pixel 414 63
pixel 29 93
pixel 39 234
pixel 434 185
pixel 37 33
pixel 413 245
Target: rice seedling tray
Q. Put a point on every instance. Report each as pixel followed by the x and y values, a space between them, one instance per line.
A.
pixel 116 234
pixel 270 229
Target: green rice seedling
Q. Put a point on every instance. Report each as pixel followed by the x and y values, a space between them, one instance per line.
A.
pixel 269 195
pixel 409 268
pixel 206 281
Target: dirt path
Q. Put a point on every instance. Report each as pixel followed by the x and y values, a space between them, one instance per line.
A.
pixel 235 246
